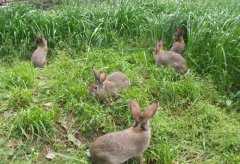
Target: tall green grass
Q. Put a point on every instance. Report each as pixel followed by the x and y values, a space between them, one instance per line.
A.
pixel 213 30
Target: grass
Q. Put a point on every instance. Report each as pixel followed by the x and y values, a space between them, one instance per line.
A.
pixel 33 121
pixel 198 120
pixel 191 126
pixel 103 24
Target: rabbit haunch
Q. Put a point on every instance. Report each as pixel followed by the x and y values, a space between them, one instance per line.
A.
pixel 108 85
pixel 39 56
pixel 118 147
pixel 169 58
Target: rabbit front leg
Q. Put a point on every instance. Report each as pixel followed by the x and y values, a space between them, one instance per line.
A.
pixel 108 101
pixel 111 97
pixel 141 159
pixel 46 62
pixel 103 162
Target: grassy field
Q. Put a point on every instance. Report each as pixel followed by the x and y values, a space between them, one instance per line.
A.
pixel 198 120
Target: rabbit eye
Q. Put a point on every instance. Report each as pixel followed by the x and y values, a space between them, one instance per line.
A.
pixel 135 124
pixel 93 88
pixel 143 126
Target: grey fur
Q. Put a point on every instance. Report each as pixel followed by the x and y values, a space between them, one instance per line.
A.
pixel 169 58
pixel 118 147
pixel 111 85
pixel 178 44
pixel 39 56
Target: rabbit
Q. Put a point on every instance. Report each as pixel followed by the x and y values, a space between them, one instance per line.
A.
pixel 169 58
pixel 118 147
pixel 108 85
pixel 178 44
pixel 2 2
pixel 39 56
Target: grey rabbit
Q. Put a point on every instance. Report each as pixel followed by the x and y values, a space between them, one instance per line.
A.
pixel 39 56
pixel 118 147
pixel 169 58
pixel 178 44
pixel 108 85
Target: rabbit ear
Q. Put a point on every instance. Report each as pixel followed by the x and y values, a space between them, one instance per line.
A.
pixel 96 74
pixel 151 110
pixel 179 31
pixel 102 77
pixel 155 50
pixel 159 46
pixel 41 41
pixel 161 43
pixel 44 40
pixel 136 112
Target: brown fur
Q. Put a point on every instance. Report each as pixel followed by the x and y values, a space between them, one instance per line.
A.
pixel 169 58
pixel 178 44
pixel 39 56
pixel 108 85
pixel 118 147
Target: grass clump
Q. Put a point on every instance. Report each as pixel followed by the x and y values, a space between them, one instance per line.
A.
pixel 20 98
pixel 33 121
pixel 21 75
pixel 197 135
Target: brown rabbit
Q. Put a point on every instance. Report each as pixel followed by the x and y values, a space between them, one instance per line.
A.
pixel 118 147
pixel 178 44
pixel 108 85
pixel 39 56
pixel 169 58
pixel 2 2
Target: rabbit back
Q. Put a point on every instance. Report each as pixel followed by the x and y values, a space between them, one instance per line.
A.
pixel 178 47
pixel 172 59
pixel 119 79
pixel 39 57
pixel 120 146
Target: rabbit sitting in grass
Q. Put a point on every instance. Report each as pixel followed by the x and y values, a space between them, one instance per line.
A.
pixel 178 44
pixel 169 58
pixel 118 147
pixel 2 2
pixel 108 85
pixel 39 56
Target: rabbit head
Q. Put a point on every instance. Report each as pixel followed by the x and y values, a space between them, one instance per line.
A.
pixel 141 119
pixel 99 89
pixel 41 41
pixel 100 76
pixel 178 35
pixel 159 47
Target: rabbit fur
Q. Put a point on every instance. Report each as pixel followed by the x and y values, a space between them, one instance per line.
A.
pixel 178 44
pixel 169 58
pixel 39 56
pixel 118 147
pixel 108 85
